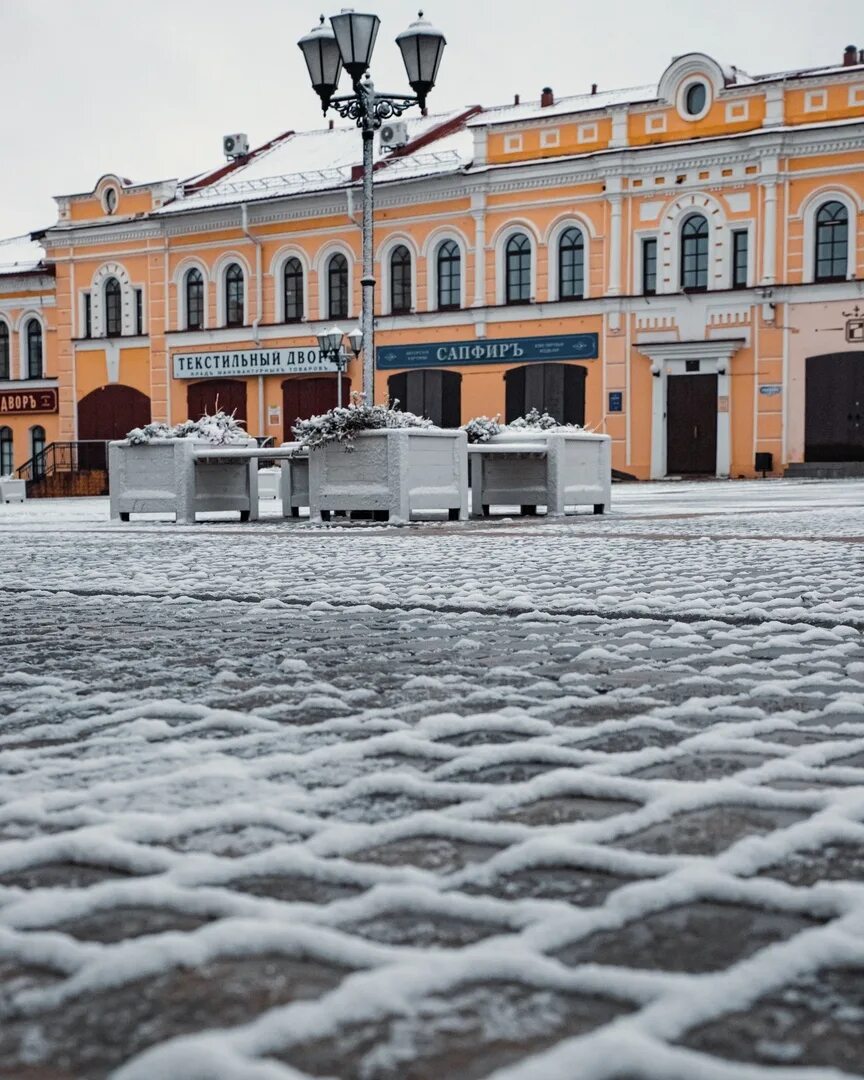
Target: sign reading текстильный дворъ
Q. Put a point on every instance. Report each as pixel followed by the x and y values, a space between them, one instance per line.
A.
pixel 489 351
pixel 212 365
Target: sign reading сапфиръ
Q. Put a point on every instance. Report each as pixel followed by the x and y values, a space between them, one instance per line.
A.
pixel 28 401
pixel 213 365
pixel 489 351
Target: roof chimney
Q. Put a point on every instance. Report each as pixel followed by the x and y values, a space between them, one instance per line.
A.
pixel 850 56
pixel 331 124
pixel 547 97
pixel 515 99
pixel 593 87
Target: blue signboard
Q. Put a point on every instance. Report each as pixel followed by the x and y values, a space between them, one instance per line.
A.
pixel 488 351
pixel 616 401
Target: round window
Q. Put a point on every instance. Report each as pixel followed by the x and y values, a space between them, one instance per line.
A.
pixel 110 200
pixel 696 99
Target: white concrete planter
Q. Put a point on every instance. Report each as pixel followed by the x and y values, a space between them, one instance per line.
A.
pixel 294 481
pixel 528 468
pixel 392 473
pixel 164 476
pixel 268 483
pixel 12 490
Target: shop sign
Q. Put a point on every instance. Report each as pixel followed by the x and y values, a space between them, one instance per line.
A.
pixel 770 390
pixel 216 365
pixel 616 401
pixel 488 351
pixel 27 401
pixel 854 325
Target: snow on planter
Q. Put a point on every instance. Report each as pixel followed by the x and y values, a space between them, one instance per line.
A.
pixel 555 467
pixel 393 472
pixel 172 475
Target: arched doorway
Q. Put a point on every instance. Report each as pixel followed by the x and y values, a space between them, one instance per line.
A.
pixel 558 389
pixel 834 409
pixel 302 398
pixel 431 393
pixel 211 395
pixel 109 413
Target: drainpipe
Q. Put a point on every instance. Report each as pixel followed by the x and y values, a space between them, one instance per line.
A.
pixel 259 293
pixel 352 213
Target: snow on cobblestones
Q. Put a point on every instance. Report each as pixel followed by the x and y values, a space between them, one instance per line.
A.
pixel 537 801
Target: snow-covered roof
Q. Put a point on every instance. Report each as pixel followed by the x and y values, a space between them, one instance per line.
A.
pixel 531 110
pixel 310 161
pixel 20 254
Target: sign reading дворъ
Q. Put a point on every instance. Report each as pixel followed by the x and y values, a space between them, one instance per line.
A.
pixel 212 365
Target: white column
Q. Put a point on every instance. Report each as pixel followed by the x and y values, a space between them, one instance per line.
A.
pixel 769 235
pixel 478 211
pixel 613 188
pixel 658 423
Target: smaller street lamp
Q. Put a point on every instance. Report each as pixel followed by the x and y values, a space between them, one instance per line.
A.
pixel 330 342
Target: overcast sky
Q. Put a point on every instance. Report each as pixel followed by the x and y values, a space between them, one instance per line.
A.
pixel 148 90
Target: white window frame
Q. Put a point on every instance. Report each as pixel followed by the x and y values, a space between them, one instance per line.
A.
pixel 277 270
pixel 430 251
pixel 180 287
pixel 549 138
pixel 321 266
pixel 655 123
pixel 812 208
pixel 219 272
pixel 553 239
pixel 500 246
pixel 512 144
pixel 815 101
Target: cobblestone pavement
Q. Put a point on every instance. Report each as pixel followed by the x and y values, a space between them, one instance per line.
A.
pixel 578 801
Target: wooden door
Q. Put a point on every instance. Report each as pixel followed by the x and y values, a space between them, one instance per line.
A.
pixel 432 393
pixel 302 398
pixel 109 413
pixel 211 395
pixel 558 389
pixel 691 424
pixel 834 409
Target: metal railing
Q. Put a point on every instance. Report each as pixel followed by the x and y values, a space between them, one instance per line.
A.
pixel 83 455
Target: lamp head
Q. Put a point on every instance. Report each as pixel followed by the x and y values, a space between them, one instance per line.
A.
pixel 323 60
pixel 355 36
pixel 330 340
pixel 422 47
pixel 355 341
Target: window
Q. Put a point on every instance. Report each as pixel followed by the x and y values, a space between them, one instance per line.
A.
pixel 234 296
pixel 449 268
pixel 400 280
pixel 292 290
pixel 139 311
pixel 4 351
pixel 337 287
pixel 34 349
pixel 88 315
pixel 740 245
pixel 649 266
pixel 694 254
pixel 832 242
pixel 37 449
pixel 571 265
pixel 517 268
pixel 113 308
pixel 194 299
pixel 109 200
pixel 696 99
pixel 7 455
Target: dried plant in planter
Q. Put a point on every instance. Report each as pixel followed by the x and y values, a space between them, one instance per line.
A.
pixel 342 424
pixel 481 429
pixel 540 422
pixel 218 429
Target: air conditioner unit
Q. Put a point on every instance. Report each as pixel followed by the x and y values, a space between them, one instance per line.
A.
pixel 394 135
pixel 235 146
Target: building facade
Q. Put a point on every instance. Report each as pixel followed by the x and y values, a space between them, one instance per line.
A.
pixel 680 266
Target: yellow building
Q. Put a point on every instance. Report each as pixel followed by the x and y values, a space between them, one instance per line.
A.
pixel 679 265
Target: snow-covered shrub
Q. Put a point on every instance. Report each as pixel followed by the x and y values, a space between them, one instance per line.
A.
pixel 341 424
pixel 481 429
pixel 218 429
pixel 539 421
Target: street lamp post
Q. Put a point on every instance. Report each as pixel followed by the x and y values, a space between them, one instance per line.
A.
pixel 348 42
pixel 330 343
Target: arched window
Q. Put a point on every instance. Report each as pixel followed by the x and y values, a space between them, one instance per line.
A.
pixel 292 284
pixel 5 362
pixel 7 454
pixel 234 296
pixel 449 270
pixel 337 287
pixel 113 308
pixel 34 349
pixel 571 265
pixel 400 280
pixel 517 268
pixel 694 254
pixel 832 242
pixel 37 447
pixel 194 299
